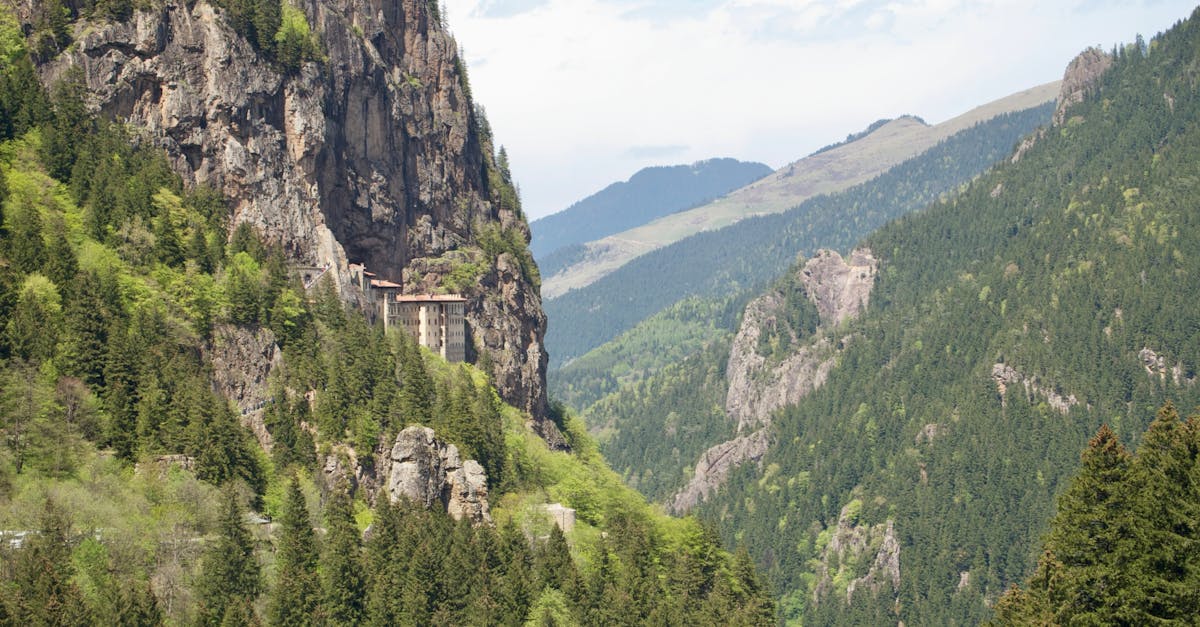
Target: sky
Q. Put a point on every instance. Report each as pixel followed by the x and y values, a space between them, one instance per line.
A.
pixel 583 93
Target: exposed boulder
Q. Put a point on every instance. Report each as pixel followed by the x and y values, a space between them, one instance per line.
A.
pixel 1005 377
pixel 1156 366
pixel 429 471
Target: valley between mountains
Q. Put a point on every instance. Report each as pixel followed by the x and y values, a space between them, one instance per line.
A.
pixel 279 344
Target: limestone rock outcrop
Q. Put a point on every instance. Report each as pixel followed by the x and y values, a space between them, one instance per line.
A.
pixel 1006 377
pixel 1082 73
pixel 840 289
pixel 373 154
pixel 714 467
pixel 430 472
pixel 852 542
pixel 1156 366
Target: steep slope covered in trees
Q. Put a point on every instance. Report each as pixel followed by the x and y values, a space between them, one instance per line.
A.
pixel 1006 325
pixel 752 252
pixel 138 477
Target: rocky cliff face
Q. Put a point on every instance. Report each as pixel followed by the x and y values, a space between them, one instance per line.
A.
pixel 758 385
pixel 374 154
pixel 714 467
pixel 242 360
pixel 840 289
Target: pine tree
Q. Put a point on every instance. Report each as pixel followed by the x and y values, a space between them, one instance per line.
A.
pixel 229 574
pixel 267 18
pixel 86 320
pixel 342 579
pixel 221 450
pixel 1165 562
pixel 416 397
pixel 1122 547
pixel 61 262
pixel 26 250
pixel 552 563
pixel 69 123
pixel 245 239
pixel 513 591
pixel 1093 525
pixel 243 289
pixel 297 589
pixel 44 593
pixel 32 332
pixel 167 246
pixel 120 392
pixel 754 605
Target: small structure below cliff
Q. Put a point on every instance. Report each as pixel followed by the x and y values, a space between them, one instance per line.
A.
pixel 563 516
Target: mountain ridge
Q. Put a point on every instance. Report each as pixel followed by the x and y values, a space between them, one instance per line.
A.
pixel 823 172
pixel 754 251
pixel 648 194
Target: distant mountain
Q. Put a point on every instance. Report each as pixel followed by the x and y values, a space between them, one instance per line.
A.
pixel 754 251
pixel 829 170
pixel 649 194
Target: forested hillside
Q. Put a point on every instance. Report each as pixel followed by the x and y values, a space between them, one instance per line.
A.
pixel 665 338
pixel 139 485
pixel 752 252
pixel 1052 295
pixel 650 193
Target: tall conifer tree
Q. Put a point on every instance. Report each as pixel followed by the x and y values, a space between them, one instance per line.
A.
pixel 230 576
pixel 297 589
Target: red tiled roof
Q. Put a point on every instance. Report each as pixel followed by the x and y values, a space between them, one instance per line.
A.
pixel 385 284
pixel 430 298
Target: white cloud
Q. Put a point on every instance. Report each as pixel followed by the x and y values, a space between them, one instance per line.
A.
pixel 574 87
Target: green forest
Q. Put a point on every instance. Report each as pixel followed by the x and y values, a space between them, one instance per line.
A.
pixel 748 255
pixel 1008 323
pixel 131 493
